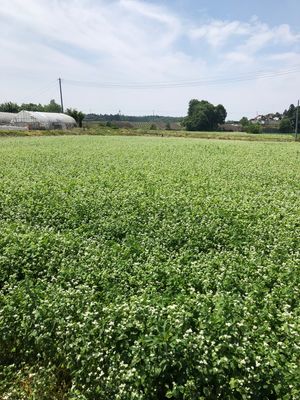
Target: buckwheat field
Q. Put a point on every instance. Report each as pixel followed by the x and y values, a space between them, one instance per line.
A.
pixel 149 268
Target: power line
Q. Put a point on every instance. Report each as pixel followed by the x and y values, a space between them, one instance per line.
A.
pixel 192 83
pixel 41 91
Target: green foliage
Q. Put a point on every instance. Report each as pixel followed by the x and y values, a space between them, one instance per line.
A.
pixel 204 116
pixel 285 126
pixel 290 114
pixel 109 124
pixel 14 108
pixel 153 127
pixel 250 127
pixel 244 122
pixel 77 115
pixel 53 107
pixel 147 269
pixel 132 118
pixel 168 126
pixel 253 128
pixel 32 107
pixel 220 114
pixel 9 107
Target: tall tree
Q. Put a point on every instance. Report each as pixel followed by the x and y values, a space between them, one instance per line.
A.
pixel 290 114
pixel 221 113
pixel 244 121
pixel 77 115
pixel 204 116
pixel 52 107
pixel 285 126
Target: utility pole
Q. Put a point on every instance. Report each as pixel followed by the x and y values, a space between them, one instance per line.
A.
pixel 296 125
pixel 61 96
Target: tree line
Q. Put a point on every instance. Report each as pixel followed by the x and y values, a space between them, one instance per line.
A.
pixel 286 123
pixel 51 107
pixel 11 107
pixel 131 118
pixel 202 116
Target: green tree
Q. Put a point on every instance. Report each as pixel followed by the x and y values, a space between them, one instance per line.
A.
pixel 77 115
pixel 291 115
pixel 9 107
pixel 253 128
pixel 52 107
pixel 204 116
pixel 285 125
pixel 291 112
pixel 244 121
pixel 32 107
pixel 221 113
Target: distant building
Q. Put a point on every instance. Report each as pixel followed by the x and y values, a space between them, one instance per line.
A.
pixel 42 120
pixel 268 119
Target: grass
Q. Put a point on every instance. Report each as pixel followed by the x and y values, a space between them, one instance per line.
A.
pixel 149 268
pixel 107 131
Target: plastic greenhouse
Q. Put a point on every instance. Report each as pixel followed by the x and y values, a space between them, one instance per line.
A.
pixel 6 117
pixel 43 120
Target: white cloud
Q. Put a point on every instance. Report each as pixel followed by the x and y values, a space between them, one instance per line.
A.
pixel 216 33
pixel 156 13
pixel 289 57
pixel 255 34
pixel 238 57
pixel 132 41
pixel 262 35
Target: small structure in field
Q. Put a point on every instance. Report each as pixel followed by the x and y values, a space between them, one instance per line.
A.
pixel 43 120
pixel 6 117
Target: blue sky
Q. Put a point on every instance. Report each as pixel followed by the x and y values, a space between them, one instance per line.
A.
pixel 273 12
pixel 243 54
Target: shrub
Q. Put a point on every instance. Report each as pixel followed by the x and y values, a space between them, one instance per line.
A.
pixel 285 126
pixel 253 128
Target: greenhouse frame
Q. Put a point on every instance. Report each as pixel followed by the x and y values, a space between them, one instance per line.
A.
pixel 43 120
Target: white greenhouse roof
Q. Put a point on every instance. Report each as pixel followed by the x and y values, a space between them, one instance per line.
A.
pixel 43 117
pixel 6 117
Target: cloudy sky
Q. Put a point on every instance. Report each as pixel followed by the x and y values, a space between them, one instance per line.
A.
pixel 145 56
